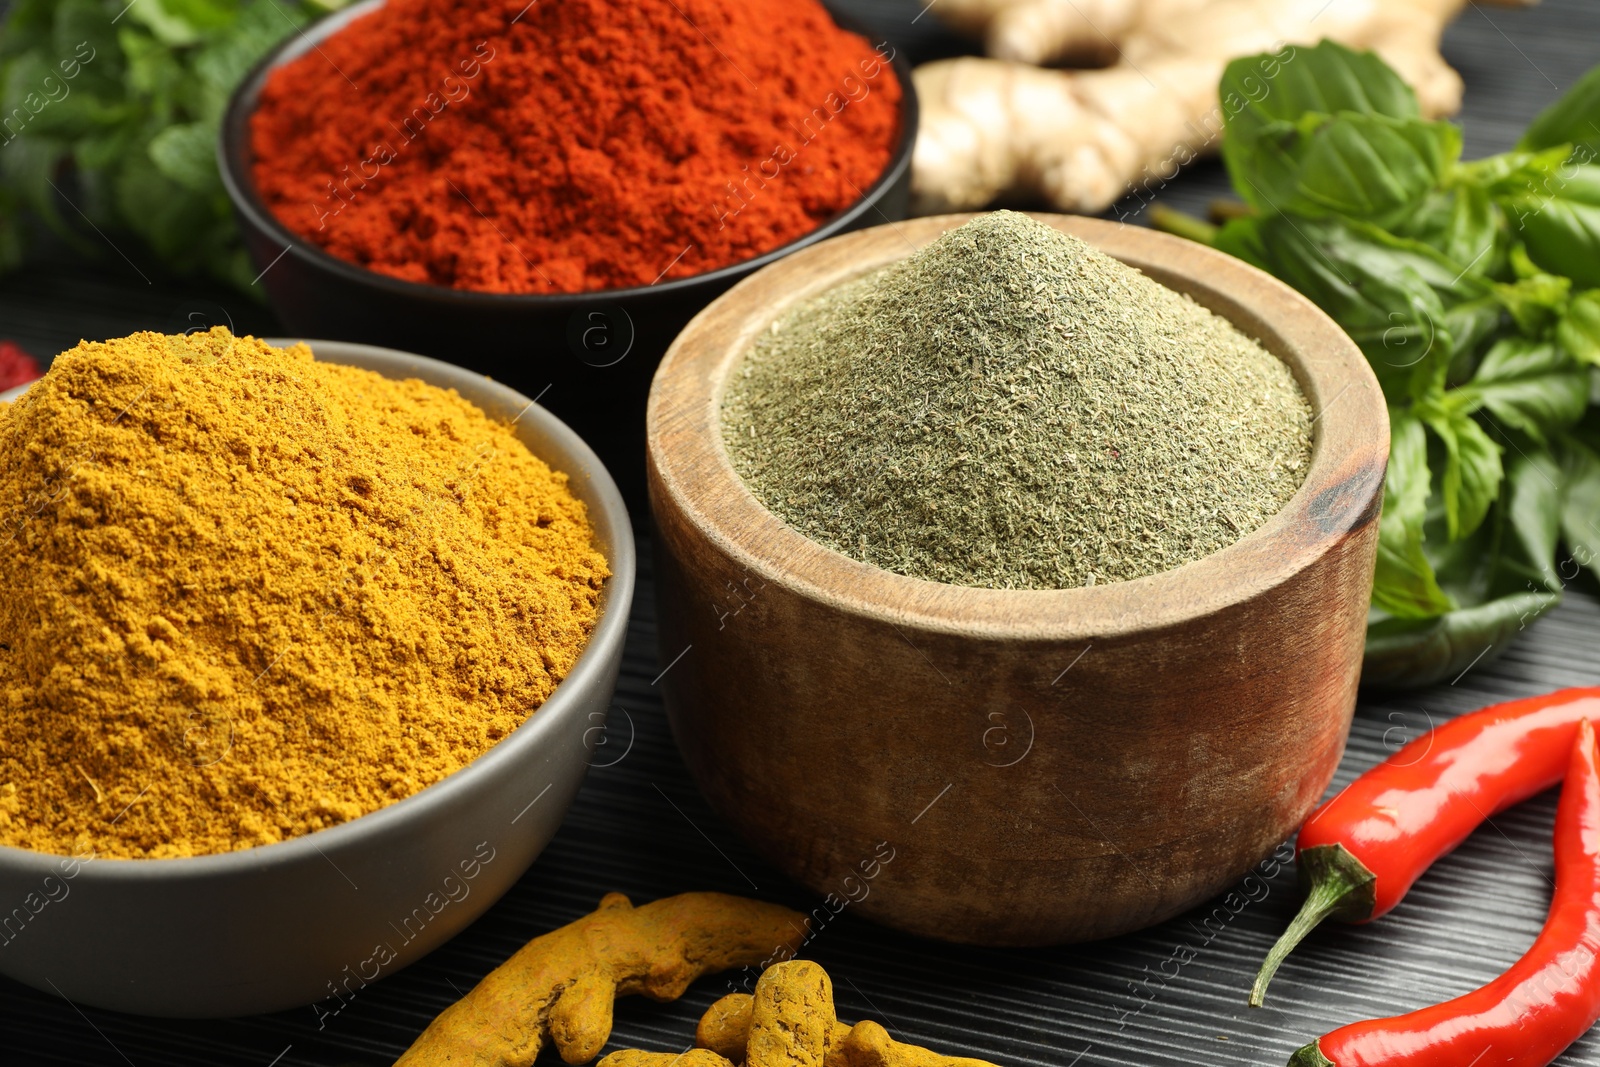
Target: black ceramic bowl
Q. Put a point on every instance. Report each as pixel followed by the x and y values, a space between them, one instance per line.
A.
pixel 588 357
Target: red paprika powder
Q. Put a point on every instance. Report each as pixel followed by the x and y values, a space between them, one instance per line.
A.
pixel 16 366
pixel 572 145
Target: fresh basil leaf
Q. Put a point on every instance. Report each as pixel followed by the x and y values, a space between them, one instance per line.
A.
pixel 1580 506
pixel 98 153
pixel 171 27
pixel 1370 246
pixel 22 74
pixel 1535 302
pixel 171 219
pixel 228 55
pixel 1573 120
pixel 1404 584
pixel 1241 237
pixel 1587 432
pixel 1466 567
pixel 1579 332
pixel 1532 386
pixel 187 154
pixel 27 24
pixel 1471 325
pixel 203 15
pixel 1522 266
pixel 1472 473
pixel 1410 653
pixel 1512 173
pixel 27 168
pixel 1278 87
pixel 21 97
pixel 1559 223
pixel 1457 281
pixel 84 38
pixel 1372 167
pixel 153 69
pixel 53 105
pixel 1266 165
pixel 1413 356
pixel 1506 564
pixel 1464 224
pixel 1274 101
pixel 1533 512
pixel 1392 295
pixel 127 133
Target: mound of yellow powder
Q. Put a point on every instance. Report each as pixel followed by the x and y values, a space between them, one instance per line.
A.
pixel 248 595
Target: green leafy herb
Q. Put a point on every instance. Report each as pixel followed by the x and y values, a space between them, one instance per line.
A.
pixel 1473 289
pixel 1406 586
pixel 1580 507
pixel 1579 332
pixel 1557 217
pixel 1570 121
pixel 1472 471
pixel 109 115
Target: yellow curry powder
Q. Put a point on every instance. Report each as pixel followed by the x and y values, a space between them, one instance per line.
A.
pixel 245 595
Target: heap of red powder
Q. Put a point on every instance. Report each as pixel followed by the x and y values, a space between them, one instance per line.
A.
pixel 16 366
pixel 572 145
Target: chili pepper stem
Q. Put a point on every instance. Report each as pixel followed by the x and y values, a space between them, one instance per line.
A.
pixel 1337 885
pixel 1310 1056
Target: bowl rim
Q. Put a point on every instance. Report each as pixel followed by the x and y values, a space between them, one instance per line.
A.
pixel 233 163
pixel 593 663
pixel 693 482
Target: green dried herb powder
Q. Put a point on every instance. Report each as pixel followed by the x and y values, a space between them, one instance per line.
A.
pixel 1010 408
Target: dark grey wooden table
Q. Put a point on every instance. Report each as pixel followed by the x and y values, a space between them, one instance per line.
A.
pixel 1173 995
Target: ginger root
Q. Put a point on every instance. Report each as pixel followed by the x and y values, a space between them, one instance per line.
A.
pixel 791 1022
pixel 562 984
pixel 1080 140
pixel 1068 32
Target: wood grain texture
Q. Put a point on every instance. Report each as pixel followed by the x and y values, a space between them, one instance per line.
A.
pixel 1190 719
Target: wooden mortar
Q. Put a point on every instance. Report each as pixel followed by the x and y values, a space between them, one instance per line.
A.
pixel 1039 767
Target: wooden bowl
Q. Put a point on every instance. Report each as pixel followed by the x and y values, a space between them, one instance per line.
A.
pixel 1013 767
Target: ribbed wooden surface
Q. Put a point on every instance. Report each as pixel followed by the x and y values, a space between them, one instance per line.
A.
pixel 1168 997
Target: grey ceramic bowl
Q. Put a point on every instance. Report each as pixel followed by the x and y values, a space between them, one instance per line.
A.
pixel 316 918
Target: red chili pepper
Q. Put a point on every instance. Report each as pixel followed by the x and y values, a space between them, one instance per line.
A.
pixel 1361 852
pixel 1546 1001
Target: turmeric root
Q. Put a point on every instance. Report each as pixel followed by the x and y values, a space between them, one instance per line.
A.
pixel 869 1045
pixel 695 1057
pixel 562 984
pixel 1082 139
pixel 791 1018
pixel 792 1022
pixel 725 1027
